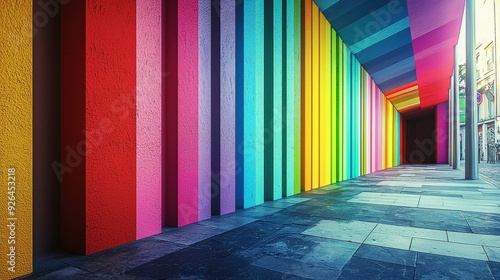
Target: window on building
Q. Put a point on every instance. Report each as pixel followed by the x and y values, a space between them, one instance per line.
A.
pixel 478 67
pixel 490 59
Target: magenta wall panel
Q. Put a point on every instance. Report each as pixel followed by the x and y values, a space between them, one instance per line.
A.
pixel 180 117
pixel 148 131
pixel 204 105
pixel 441 135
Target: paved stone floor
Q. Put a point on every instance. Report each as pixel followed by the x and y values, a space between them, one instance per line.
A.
pixel 409 222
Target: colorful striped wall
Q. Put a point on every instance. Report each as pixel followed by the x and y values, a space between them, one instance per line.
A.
pixel 350 128
pixel 175 111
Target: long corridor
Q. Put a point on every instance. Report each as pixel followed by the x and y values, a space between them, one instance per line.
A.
pixel 408 222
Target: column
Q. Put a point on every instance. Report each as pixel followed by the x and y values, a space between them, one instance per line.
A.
pixel 180 116
pixel 471 134
pixel 98 112
pixel 148 160
pixel 16 165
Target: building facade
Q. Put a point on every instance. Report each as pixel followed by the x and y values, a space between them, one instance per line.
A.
pixel 487 87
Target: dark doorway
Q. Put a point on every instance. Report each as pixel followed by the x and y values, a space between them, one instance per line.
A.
pixel 420 137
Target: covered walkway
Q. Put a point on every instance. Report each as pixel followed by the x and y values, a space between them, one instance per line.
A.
pixel 408 222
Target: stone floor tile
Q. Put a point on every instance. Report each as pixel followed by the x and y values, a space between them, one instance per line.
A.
pixel 353 231
pixel 448 249
pixel 411 232
pixel 495 269
pixel 296 268
pixel 483 223
pixel 388 240
pixel 493 253
pixel 228 222
pixel 474 238
pixel 359 268
pixel 449 268
pixel 388 255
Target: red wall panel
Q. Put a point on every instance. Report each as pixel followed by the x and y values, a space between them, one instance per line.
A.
pixel 98 124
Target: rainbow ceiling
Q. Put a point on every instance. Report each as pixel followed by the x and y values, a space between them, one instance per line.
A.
pixel 407 47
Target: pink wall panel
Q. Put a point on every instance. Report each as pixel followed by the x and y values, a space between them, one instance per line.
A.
pixel 180 117
pixel 148 118
pixel 441 135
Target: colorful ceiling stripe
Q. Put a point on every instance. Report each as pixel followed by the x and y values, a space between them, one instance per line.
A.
pixel 405 46
pixel 435 31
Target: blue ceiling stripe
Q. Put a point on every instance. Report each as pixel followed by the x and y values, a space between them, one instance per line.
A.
pixel 394 70
pixel 324 4
pixel 390 58
pixel 389 45
pixel 399 81
pixel 381 35
pixel 373 13
pixel 343 7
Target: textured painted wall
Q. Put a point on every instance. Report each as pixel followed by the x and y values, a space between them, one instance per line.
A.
pixel 180 117
pixel 16 166
pixel 148 127
pixel 223 107
pixel 46 146
pixel 204 113
pixel 249 104
pixel 98 125
pixel 259 100
pixel 349 127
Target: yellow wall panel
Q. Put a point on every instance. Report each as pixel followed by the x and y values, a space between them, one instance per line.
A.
pixel 16 138
pixel 315 96
pixel 307 95
pixel 325 103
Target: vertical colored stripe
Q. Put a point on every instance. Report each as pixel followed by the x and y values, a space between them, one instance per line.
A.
pixel 16 45
pixel 246 105
pixel 204 113
pixel 289 50
pixel 334 96
pixel 389 133
pixel 297 18
pixel 315 96
pixel 307 95
pixel 227 106
pixel 340 110
pixel 347 114
pixel 181 110
pixel 324 103
pixel 277 115
pixel 101 116
pixel 259 102
pixel 148 191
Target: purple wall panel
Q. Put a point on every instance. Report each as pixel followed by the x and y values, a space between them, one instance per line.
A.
pixel 227 106
pixel 204 103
